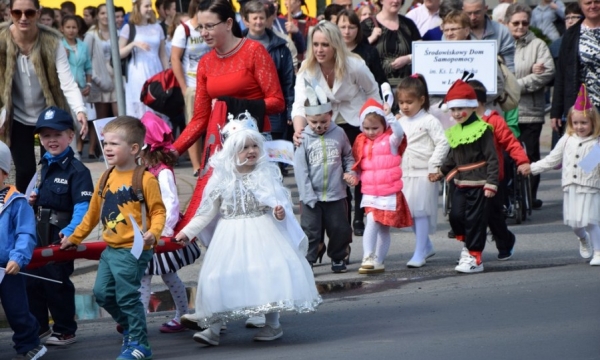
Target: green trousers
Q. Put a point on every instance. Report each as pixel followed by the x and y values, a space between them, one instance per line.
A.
pixel 117 289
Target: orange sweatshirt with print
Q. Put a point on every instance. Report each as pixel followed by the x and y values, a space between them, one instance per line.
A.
pixel 119 202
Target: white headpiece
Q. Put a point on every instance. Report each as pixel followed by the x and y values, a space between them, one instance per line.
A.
pixel 244 121
pixel 319 103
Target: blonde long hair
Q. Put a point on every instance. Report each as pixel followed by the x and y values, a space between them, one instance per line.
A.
pixel 592 114
pixel 341 52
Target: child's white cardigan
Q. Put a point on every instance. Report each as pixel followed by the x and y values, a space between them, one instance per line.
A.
pixel 569 151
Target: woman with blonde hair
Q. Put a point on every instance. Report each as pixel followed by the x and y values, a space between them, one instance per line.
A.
pixel 147 50
pixel 347 82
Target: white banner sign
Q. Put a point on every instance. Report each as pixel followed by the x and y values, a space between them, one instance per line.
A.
pixel 443 62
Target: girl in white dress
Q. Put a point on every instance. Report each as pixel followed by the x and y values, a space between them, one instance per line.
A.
pixel 255 263
pixel 148 55
pixel 581 187
pixel 427 147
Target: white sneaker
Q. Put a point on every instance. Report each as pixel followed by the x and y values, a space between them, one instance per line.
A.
pixel 368 262
pixel 207 337
pixel 464 252
pixel 596 259
pixel 256 321
pixel 468 265
pixel 585 247
pixel 268 333
pixel 415 263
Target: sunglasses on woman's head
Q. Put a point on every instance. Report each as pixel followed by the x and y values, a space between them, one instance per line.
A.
pixel 17 14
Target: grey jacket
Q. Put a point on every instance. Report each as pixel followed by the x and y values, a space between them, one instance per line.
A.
pixel 320 163
pixel 506 43
pixel 530 51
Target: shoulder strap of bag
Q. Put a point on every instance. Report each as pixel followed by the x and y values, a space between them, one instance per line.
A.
pixel 136 184
pixel 188 33
pixel 138 189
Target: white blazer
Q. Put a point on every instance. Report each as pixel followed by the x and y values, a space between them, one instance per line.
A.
pixel 347 96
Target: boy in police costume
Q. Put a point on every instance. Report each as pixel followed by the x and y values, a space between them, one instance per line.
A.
pixel 60 202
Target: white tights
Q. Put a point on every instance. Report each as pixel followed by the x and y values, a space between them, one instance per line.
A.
pixel 376 239
pixel 176 288
pixel 594 232
pixel 423 244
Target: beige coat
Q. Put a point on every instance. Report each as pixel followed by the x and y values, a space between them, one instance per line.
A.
pixel 530 51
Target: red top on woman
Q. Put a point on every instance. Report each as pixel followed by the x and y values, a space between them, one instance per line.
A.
pixel 246 72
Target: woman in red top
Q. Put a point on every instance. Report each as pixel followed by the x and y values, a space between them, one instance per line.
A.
pixel 238 71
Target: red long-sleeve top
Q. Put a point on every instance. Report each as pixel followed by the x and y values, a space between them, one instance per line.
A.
pixel 246 72
pixel 505 140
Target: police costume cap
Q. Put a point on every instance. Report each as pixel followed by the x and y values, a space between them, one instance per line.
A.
pixel 5 158
pixel 54 118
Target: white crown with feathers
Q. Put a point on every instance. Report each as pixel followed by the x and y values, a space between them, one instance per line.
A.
pixel 319 103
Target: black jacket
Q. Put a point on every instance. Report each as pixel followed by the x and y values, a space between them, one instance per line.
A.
pixel 567 78
pixel 282 57
pixel 371 57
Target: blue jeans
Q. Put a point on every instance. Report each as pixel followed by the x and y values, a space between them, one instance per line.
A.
pixel 13 295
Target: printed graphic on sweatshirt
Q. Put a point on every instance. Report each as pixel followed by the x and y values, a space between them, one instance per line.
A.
pixel 323 150
pixel 112 214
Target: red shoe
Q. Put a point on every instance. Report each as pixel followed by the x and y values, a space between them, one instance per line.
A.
pixel 171 327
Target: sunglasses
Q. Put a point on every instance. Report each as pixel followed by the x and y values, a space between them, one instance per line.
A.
pixel 29 13
pixel 522 23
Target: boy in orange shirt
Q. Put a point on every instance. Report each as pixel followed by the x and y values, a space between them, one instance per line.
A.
pixel 119 272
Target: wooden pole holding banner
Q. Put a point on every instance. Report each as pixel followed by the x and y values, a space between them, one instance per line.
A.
pixel 114 45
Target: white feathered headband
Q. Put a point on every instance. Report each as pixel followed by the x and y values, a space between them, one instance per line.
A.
pixel 318 103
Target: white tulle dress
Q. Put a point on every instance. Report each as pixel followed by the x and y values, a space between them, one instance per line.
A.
pixel 253 264
pixel 142 66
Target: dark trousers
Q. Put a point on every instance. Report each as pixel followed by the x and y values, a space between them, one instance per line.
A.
pixel 13 295
pixel 468 217
pixel 22 149
pixel 504 238
pixel 352 133
pixel 329 217
pixel 59 299
pixel 530 135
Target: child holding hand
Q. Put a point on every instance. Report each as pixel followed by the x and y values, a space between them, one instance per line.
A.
pixel 255 261
pixel 426 150
pixel 323 169
pixel 580 183
pixel 378 152
pixel 119 274
pixel 472 164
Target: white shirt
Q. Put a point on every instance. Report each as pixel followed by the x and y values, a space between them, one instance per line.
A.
pixel 194 49
pixel 424 20
pixel 347 96
pixel 28 98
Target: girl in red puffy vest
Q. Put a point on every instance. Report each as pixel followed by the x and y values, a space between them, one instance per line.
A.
pixel 378 154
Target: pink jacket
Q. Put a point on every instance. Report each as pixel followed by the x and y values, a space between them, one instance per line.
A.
pixel 380 171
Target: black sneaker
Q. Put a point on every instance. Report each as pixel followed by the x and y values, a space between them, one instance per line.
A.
pixel 451 234
pixel 338 266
